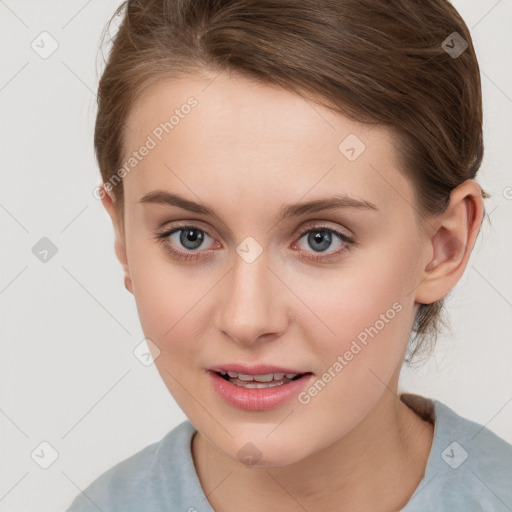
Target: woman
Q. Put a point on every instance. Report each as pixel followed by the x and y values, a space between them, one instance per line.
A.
pixel 292 187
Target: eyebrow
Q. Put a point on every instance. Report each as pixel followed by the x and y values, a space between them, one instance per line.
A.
pixel 163 197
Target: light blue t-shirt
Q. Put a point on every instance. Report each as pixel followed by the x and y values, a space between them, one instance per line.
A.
pixel 469 469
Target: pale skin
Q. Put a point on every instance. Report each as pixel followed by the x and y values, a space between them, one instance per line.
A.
pixel 246 150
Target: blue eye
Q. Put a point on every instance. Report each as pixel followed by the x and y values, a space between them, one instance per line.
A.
pixel 191 239
pixel 320 239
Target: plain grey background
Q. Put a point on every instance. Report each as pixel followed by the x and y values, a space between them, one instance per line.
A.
pixel 69 377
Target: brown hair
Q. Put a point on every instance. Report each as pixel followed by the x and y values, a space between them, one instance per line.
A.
pixel 376 61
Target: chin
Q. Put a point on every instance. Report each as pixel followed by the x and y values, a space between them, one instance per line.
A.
pixel 265 454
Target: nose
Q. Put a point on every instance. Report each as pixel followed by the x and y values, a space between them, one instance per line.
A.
pixel 252 303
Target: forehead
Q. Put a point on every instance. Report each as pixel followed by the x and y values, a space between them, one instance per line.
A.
pixel 237 108
pixel 230 133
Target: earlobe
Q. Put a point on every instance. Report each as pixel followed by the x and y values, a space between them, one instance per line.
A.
pixel 450 246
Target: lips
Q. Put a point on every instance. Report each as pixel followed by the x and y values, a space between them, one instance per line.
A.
pixel 257 387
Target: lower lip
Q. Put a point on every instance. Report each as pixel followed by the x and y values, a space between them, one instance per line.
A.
pixel 257 399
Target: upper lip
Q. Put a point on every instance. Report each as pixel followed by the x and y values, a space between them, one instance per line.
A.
pixel 257 369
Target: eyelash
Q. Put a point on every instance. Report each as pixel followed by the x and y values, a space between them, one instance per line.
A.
pixel 184 256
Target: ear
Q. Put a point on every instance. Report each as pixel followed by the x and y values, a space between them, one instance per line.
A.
pixel 450 242
pixel 108 200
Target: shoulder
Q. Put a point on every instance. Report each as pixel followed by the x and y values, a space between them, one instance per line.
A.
pixel 469 466
pixel 127 485
pixel 477 462
pixel 475 444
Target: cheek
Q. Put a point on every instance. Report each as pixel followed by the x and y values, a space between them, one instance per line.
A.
pixel 357 328
pixel 345 300
pixel 168 306
pixel 363 312
pixel 167 297
pixel 369 318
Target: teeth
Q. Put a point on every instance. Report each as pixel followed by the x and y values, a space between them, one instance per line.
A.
pixel 259 378
pixel 263 378
pixel 259 384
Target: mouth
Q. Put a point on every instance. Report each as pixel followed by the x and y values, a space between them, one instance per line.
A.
pixel 267 380
pixel 258 388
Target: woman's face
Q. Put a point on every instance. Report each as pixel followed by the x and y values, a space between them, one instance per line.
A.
pixel 266 282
